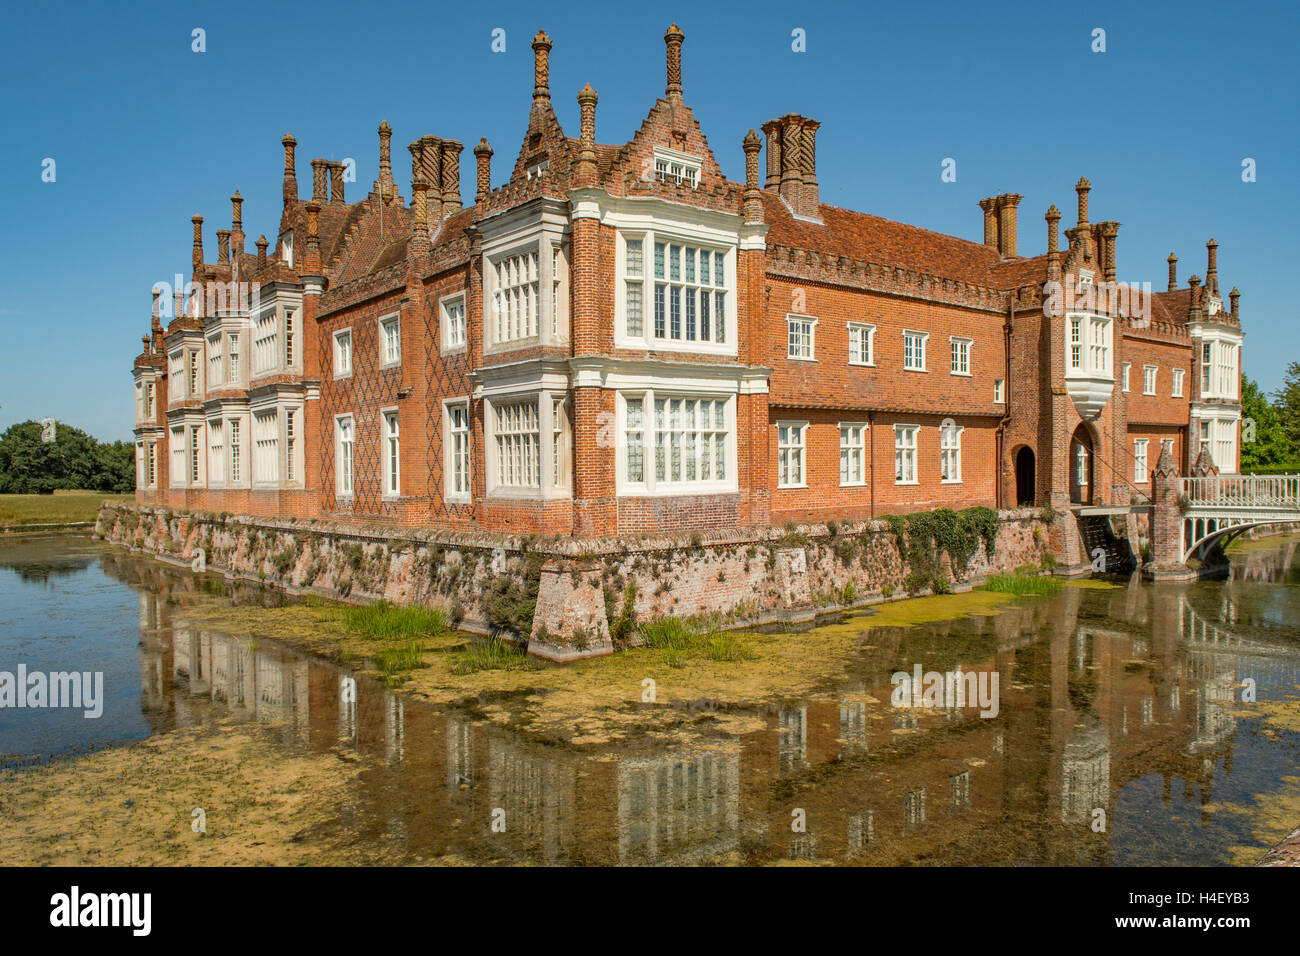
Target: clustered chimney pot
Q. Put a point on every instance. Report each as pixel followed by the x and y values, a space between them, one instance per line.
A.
pixel 483 161
pixel 792 162
pixel 1173 272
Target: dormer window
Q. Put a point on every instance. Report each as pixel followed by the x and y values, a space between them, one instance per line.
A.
pixel 678 168
pixel 286 248
pixel 537 170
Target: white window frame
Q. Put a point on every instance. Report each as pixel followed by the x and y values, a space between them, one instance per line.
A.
pixel 847 449
pixel 656 433
pixel 216 452
pixel 1149 375
pixel 671 165
pixel 866 334
pixel 451 453
pixel 950 448
pixel 904 443
pixel 345 478
pixel 1124 376
pixel 448 338
pixel 924 338
pixel 722 340
pixel 809 329
pixel 232 359
pixel 390 451
pixel 343 357
pixel 216 366
pixel 792 454
pixel 999 391
pixel 1089 345
pixel 1141 472
pixel 525 459
pixel 387 358
pixel 266 446
pixel 514 298
pixel 236 432
pixel 176 446
pixel 961 348
pixel 1177 391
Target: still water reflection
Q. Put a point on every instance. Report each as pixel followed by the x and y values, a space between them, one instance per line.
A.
pixel 1124 700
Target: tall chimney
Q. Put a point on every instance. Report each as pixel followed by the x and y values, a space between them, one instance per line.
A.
pixel 1007 204
pixel 311 259
pixel 290 169
pixel 772 129
pixel 810 201
pixel 319 179
pixel 1212 267
pixel 336 182
pixel 1053 217
pixel 223 245
pixel 451 176
pixel 1194 312
pixel 990 207
pixel 585 174
pixel 1082 187
pixel 426 162
pixel 791 159
pixel 1173 271
pixel 385 159
pixel 197 256
pixel 1233 296
pixel 483 161
pixel 541 68
pixel 237 224
pixel 753 206
pixel 674 38
pixel 1109 230
pixel 261 252
pixel 419 243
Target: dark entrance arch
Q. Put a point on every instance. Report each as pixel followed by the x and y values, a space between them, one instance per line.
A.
pixel 1026 474
pixel 1081 459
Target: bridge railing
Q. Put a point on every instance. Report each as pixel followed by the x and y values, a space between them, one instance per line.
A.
pixel 1244 491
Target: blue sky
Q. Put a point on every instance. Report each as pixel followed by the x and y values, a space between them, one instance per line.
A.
pixel 145 133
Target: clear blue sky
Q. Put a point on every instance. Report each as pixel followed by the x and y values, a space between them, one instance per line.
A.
pixel 145 133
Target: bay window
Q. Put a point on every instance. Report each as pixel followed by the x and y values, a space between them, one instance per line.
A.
pixel 1089 345
pixel 515 297
pixel 266 446
pixel 679 297
pixel 216 452
pixel 518 445
pixel 675 443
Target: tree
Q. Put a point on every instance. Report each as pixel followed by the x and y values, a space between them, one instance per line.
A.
pixel 1287 402
pixel 73 460
pixel 1263 441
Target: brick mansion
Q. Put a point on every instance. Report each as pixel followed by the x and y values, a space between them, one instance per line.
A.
pixel 615 338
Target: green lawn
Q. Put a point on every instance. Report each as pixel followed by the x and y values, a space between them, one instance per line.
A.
pixel 61 507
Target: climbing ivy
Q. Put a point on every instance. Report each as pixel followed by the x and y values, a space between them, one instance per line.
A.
pixel 922 536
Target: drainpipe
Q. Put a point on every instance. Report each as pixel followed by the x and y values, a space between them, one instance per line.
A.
pixel 1006 395
pixel 871 430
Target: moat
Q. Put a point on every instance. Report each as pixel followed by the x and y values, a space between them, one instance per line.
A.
pixel 1125 734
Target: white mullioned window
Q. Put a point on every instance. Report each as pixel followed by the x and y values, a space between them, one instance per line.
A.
pixel 196 452
pixel 1148 379
pixel 148 400
pixel 518 445
pixel 515 293
pixel 960 355
pixel 914 350
pixel 178 455
pixel 674 292
pixel 232 342
pixel 457 453
pixel 862 345
pixel 1099 344
pixel 559 453
pixel 905 454
pixel 266 333
pixel 290 443
pixel 342 353
pixel 235 454
pixel 390 340
pixel 344 440
pixel 453 322
pixel 1207 367
pixel 634 439
pixel 1076 342
pixel 1081 465
pixel 1124 375
pixel 290 323
pixel 266 445
pixel 1225 445
pixel 1178 383
pixel 1140 461
pixel 176 374
pixel 194 373
pixel 790 446
pixel 853 453
pixel 801 331
pixel 1088 345
pixel 674 167
pixel 674 443
pixel 950 453
pixel 151 463
pixel 999 391
pixel 215 365
pixel 216 452
pixel 392 452
pixel 634 286
pixel 559 268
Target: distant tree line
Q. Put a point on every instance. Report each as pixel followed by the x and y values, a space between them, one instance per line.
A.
pixel 74 460
pixel 1275 421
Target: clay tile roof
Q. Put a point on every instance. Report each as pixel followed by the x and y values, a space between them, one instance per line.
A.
pixel 860 235
pixel 1015 273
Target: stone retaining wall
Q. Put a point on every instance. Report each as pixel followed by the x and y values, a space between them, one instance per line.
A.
pixel 582 589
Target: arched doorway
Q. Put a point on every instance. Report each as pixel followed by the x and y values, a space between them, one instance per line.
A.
pixel 1081 457
pixel 1026 475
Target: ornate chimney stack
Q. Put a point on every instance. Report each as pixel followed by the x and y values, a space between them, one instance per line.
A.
pixel 791 159
pixel 385 181
pixel 336 182
pixel 585 175
pixel 319 180
pixel 674 38
pixel 1053 217
pixel 426 163
pixel 290 169
pixel 772 129
pixel 753 206
pixel 419 243
pixel 144 345
pixel 809 199
pixel 990 207
pixel 1006 207
pixel 237 224
pixel 483 162
pixel 197 256
pixel 1082 187
pixel 451 176
pixel 1173 272
pixel 261 252
pixel 1233 296
pixel 1212 267
pixel 541 68
pixel 1194 313
pixel 1108 231
pixel 311 261
pixel 223 245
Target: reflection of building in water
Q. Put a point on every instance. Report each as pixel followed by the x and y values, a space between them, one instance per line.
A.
pixel 793 745
pixel 678 809
pixel 1085 773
